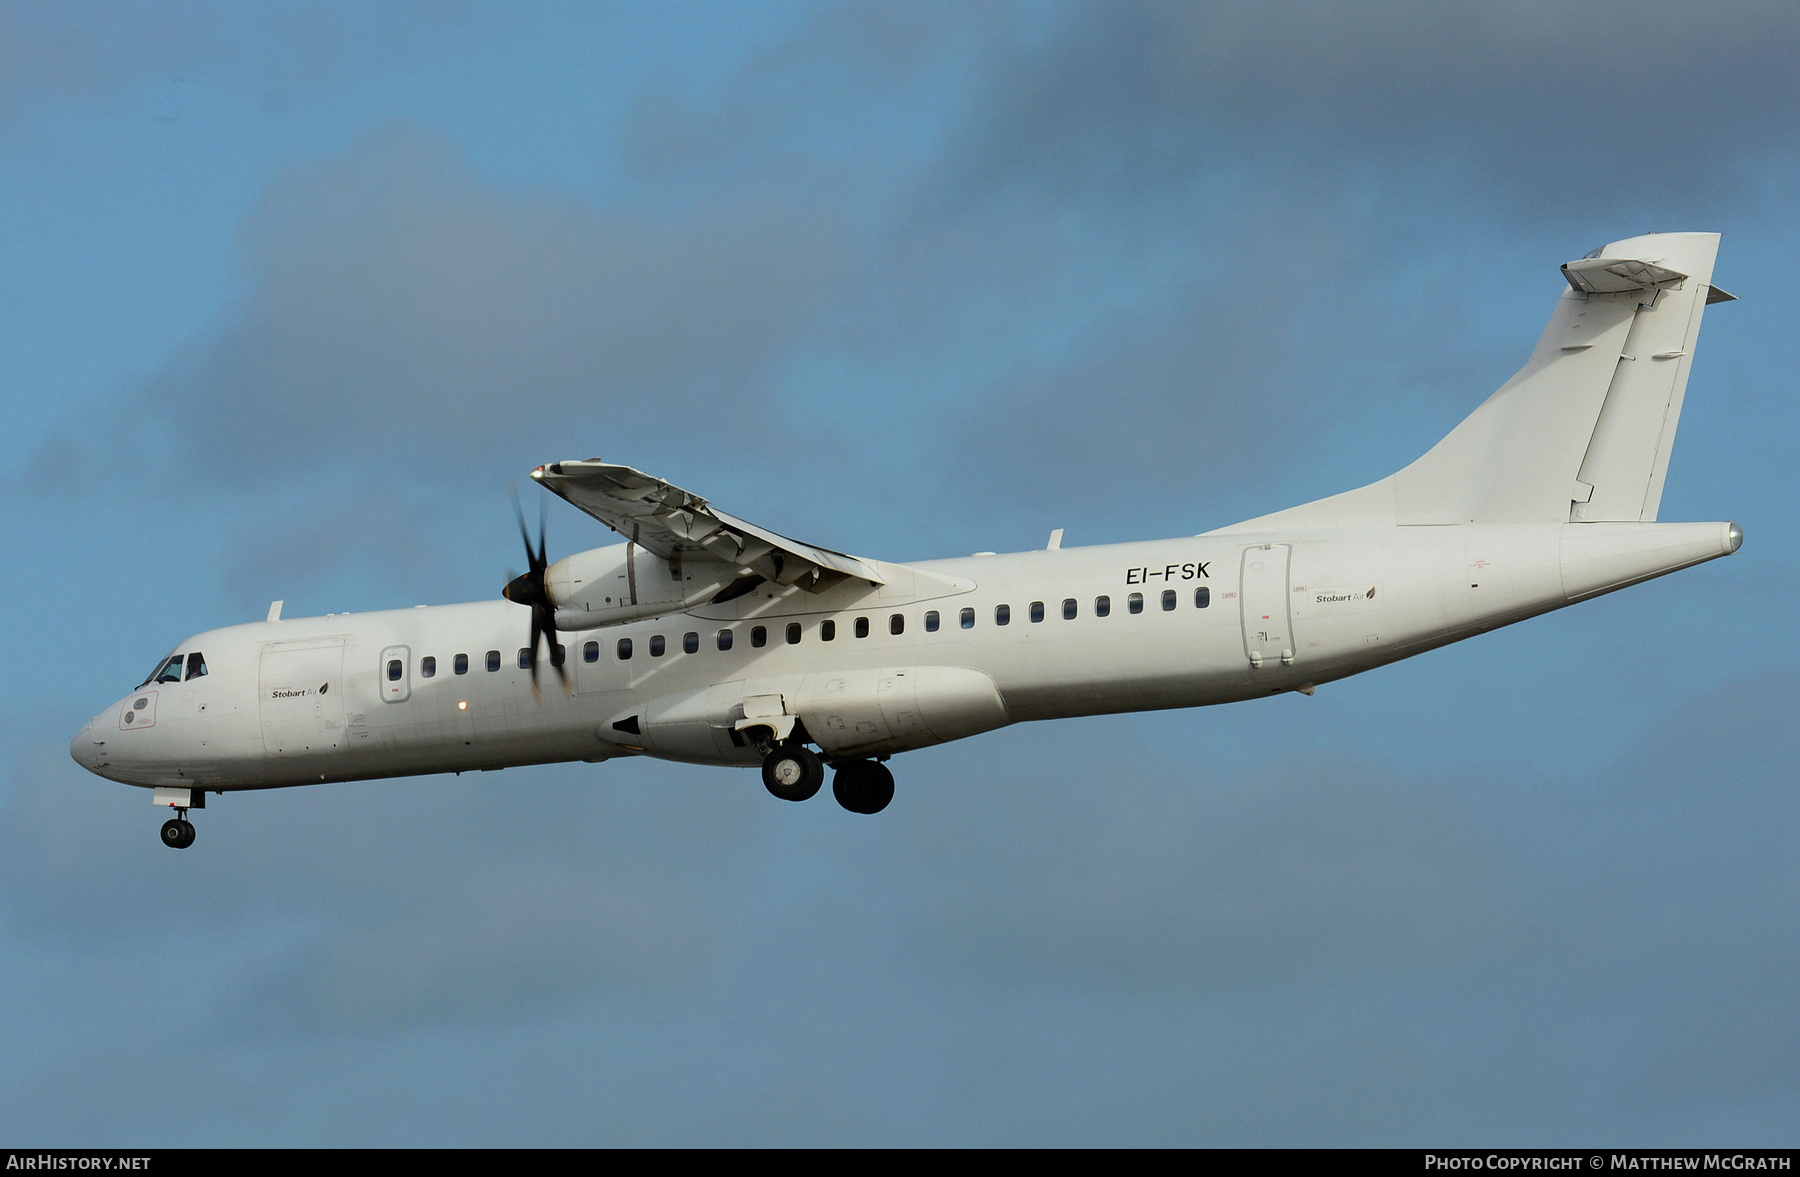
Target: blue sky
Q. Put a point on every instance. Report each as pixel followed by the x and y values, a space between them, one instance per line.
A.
pixel 295 293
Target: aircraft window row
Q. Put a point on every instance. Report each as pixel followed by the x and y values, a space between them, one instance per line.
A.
pixel 170 669
pixel 1071 608
pixel 428 665
pixel 194 664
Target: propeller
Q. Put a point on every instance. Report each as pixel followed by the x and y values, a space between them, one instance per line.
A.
pixel 531 590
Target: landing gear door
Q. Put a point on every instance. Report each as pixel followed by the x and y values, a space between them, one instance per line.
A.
pixel 301 685
pixel 1263 597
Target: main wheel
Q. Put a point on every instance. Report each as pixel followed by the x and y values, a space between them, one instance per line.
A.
pixel 177 834
pixel 863 786
pixel 187 833
pixel 792 772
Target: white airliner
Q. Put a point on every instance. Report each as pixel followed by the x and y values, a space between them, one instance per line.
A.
pixel 711 640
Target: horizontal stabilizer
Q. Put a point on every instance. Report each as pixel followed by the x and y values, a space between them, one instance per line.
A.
pixel 1611 275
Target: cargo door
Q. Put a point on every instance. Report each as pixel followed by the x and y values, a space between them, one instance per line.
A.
pixel 1263 598
pixel 301 685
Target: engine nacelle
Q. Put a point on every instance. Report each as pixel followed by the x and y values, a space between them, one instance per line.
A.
pixel 613 585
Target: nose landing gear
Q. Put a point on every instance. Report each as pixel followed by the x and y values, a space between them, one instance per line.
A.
pixel 178 832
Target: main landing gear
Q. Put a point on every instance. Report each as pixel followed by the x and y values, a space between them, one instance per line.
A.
pixel 863 786
pixel 178 831
pixel 793 772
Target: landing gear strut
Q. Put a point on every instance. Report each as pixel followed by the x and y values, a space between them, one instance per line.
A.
pixel 178 832
pixel 792 772
pixel 863 786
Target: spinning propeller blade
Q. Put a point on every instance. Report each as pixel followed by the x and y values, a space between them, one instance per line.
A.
pixel 530 589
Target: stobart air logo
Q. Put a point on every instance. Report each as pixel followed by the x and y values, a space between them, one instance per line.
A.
pixel 299 692
pixel 1349 595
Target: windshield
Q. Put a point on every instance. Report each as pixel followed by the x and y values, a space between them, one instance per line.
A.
pixel 169 670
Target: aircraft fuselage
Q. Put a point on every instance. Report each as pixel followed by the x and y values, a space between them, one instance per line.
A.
pixel 942 650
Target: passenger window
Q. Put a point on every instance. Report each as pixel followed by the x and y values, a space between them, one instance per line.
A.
pixel 1102 606
pixel 1069 609
pixel 657 645
pixel 526 658
pixel 759 637
pixel 461 665
pixel 1002 614
pixel 862 627
pixel 1135 602
pixel 559 653
pixel 427 667
pixel 897 624
pixel 827 630
pixel 1037 611
pixel 624 649
pixel 590 652
pixel 724 639
pixel 1202 597
pixel 966 619
pixel 1168 599
pixel 196 666
pixel 171 670
pixel 493 661
pixel 690 642
pixel 931 621
pixel 793 633
pixel 395 670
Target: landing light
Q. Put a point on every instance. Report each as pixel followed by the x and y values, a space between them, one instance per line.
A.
pixel 463 706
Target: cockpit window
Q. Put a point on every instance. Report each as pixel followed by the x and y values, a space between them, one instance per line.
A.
pixel 196 665
pixel 171 670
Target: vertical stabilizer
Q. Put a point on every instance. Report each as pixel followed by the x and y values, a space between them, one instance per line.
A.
pixel 1584 431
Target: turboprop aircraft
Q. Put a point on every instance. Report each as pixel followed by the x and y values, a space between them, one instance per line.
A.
pixel 707 639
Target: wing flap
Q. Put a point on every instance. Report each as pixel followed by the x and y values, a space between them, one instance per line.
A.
pixel 677 524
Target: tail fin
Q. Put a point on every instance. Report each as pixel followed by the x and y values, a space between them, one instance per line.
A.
pixel 1583 432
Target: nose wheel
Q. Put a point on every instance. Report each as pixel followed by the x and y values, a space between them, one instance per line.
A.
pixel 178 832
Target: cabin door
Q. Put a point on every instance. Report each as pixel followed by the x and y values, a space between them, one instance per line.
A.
pixel 1263 597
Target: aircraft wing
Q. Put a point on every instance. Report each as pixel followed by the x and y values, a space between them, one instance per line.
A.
pixel 676 524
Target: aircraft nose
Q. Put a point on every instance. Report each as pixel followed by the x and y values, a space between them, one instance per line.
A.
pixel 82 748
